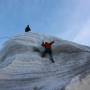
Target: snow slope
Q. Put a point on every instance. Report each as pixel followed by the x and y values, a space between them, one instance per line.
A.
pixel 79 85
pixel 22 67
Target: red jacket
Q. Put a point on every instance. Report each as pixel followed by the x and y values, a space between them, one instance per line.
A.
pixel 47 45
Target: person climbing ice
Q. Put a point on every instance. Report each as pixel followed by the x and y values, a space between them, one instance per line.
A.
pixel 27 29
pixel 48 50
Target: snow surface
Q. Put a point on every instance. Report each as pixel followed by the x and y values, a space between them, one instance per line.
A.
pixel 23 68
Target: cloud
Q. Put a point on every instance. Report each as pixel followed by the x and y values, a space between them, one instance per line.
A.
pixel 84 34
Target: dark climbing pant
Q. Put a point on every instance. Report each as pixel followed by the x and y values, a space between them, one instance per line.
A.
pixel 49 52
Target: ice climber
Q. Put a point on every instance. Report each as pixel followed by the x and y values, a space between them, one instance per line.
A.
pixel 27 29
pixel 48 50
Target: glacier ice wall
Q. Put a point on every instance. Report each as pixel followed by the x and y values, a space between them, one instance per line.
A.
pixel 23 68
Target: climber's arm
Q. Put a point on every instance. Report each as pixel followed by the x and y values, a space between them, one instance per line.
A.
pixel 52 42
pixel 42 44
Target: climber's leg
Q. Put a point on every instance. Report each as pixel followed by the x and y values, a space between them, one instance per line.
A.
pixel 44 53
pixel 51 56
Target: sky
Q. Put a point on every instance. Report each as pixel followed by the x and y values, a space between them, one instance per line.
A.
pixel 66 19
